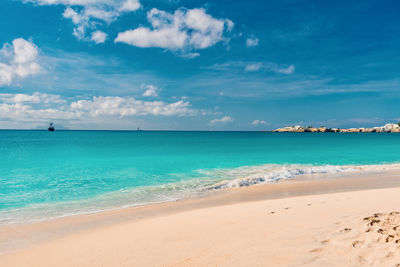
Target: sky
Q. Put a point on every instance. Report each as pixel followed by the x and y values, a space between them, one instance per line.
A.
pixel 198 65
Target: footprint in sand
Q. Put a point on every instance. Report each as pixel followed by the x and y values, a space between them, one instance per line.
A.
pixel 325 242
pixel 381 231
pixel 374 221
pixel 390 255
pixel 316 250
pixel 372 241
pixel 357 244
pixel 389 238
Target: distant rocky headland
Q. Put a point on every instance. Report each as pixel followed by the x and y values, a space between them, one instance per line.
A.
pixel 388 128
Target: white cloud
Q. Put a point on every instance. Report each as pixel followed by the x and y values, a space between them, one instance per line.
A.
pixel 259 122
pixel 151 90
pixel 22 112
pixel 20 61
pixel 88 14
pixel 68 2
pixel 185 29
pixel 35 98
pixel 125 106
pixel 39 107
pixel 144 37
pixel 256 66
pixel 224 119
pixel 253 67
pixel 190 55
pixel 130 5
pixel 252 41
pixel 99 37
pixel 101 5
pixel 74 16
pixel 288 70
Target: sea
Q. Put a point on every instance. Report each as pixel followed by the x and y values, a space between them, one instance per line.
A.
pixel 46 175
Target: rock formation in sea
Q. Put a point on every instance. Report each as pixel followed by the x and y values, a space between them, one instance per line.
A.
pixel 388 128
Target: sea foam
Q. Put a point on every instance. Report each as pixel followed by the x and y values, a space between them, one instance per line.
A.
pixel 247 176
pixel 206 181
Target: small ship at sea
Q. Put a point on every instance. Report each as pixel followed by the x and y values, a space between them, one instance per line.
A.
pixel 51 127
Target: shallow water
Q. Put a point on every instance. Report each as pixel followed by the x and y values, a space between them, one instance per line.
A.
pixel 46 174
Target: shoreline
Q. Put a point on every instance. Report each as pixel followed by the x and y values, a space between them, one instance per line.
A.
pixel 253 175
pixel 20 239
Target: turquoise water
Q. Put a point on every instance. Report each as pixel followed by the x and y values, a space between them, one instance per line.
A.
pixel 45 174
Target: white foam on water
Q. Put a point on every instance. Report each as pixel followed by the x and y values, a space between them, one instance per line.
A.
pixel 206 181
pixel 247 176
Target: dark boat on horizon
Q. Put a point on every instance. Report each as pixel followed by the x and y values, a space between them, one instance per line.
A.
pixel 51 127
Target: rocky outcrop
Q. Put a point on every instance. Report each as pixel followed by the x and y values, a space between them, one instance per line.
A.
pixel 388 128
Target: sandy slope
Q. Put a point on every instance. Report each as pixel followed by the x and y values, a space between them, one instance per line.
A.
pixel 316 230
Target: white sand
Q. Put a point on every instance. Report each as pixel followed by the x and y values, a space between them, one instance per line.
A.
pixel 313 230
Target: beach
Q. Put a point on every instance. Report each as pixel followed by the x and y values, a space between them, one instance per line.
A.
pixel 199 133
pixel 47 175
pixel 314 220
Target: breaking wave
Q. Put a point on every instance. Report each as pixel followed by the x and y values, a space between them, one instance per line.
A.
pixel 202 182
pixel 247 176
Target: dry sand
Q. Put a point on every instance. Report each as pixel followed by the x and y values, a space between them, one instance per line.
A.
pixel 328 222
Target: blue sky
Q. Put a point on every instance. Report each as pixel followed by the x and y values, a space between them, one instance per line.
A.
pixel 198 65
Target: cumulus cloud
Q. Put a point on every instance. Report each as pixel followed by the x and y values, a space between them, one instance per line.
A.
pixel 37 106
pixel 126 106
pixel 98 37
pixel 185 29
pixel 251 41
pixel 88 14
pixel 24 113
pixel 40 107
pixel 129 5
pixel 35 98
pixel 151 90
pixel 224 119
pixel 18 60
pixel 253 67
pixel 259 122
